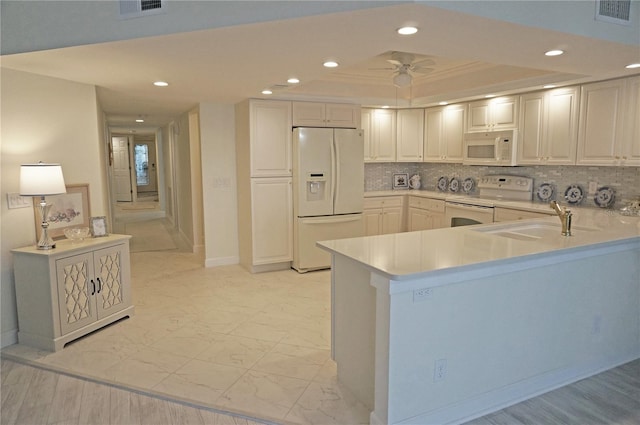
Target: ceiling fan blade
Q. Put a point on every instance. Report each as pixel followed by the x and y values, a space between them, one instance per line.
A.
pixel 423 62
pixel 420 70
pixel 382 69
pixel 395 62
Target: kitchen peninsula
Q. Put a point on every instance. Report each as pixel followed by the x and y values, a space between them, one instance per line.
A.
pixel 442 326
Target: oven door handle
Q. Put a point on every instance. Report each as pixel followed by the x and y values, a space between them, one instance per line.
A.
pixel 460 205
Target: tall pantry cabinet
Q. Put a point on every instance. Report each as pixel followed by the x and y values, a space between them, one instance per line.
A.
pixel 264 176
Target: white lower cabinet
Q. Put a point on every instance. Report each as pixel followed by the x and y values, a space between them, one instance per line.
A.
pixel 383 215
pixel 72 290
pixel 271 221
pixel 425 213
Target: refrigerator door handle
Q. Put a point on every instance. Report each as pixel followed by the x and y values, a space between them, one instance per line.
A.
pixel 335 172
pixel 334 219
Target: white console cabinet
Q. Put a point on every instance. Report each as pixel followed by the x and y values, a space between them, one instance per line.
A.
pixel 72 290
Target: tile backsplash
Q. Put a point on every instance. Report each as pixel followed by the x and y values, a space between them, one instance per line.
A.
pixel 624 180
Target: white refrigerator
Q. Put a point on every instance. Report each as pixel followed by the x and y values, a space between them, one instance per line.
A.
pixel 328 191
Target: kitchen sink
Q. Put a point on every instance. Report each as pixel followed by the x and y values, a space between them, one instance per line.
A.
pixel 531 231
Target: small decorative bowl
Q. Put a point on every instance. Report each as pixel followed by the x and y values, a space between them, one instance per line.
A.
pixel 76 234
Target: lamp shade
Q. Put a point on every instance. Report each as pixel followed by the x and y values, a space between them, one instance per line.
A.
pixel 41 179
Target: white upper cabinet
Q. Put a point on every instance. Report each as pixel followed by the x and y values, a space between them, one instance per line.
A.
pixel 499 113
pixel 270 138
pixel 444 129
pixel 410 135
pixel 379 127
pixel 630 147
pixel 549 127
pixel 608 132
pixel 338 115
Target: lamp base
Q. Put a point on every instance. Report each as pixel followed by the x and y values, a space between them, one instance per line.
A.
pixel 45 241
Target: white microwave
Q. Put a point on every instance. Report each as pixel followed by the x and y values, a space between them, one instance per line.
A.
pixel 490 148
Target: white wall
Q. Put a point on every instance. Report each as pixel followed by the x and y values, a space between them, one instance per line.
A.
pixel 50 120
pixel 182 169
pixel 219 183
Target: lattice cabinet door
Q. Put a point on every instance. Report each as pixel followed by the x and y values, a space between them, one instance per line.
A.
pixel 76 292
pixel 110 278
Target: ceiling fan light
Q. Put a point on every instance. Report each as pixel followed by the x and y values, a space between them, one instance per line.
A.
pixel 403 79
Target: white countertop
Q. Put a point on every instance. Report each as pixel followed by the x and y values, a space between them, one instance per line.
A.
pixel 410 255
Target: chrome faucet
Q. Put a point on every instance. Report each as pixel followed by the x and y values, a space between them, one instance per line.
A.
pixel 565 217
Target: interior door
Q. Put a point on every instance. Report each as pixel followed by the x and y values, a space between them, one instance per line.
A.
pixel 121 169
pixel 145 163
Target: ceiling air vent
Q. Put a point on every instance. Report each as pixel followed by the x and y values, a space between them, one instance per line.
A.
pixel 138 8
pixel 614 11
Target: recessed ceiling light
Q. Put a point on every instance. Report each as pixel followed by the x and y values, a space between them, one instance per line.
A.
pixel 385 106
pixel 633 66
pixel 443 103
pixel 139 120
pixel 549 86
pixel 293 80
pixel 330 64
pixel 554 52
pixel 407 30
pixel 490 95
pixel 161 84
pixel 267 91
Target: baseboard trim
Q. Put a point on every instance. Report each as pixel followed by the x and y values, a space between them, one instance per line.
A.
pixel 8 338
pixel 221 261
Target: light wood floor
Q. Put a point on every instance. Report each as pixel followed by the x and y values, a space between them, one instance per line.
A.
pixel 609 398
pixel 33 396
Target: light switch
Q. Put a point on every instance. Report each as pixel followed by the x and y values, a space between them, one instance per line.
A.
pixel 14 200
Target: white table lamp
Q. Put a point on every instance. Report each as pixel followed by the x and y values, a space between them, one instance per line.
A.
pixel 41 180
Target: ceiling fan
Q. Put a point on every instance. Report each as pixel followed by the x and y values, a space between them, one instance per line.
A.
pixel 404 65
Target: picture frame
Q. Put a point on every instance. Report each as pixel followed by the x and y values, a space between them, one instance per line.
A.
pixel 71 209
pixel 98 226
pixel 401 181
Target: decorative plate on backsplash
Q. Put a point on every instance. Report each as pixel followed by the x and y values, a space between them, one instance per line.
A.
pixel 574 194
pixel 604 197
pixel 545 192
pixel 443 182
pixel 454 185
pixel 468 185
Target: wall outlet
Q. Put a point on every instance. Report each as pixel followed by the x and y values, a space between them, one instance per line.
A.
pixel 440 370
pixel 422 294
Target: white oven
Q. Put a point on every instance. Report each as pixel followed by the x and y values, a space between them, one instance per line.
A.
pixel 463 214
pixel 464 211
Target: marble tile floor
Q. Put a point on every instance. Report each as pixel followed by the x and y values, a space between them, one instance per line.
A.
pixel 257 345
